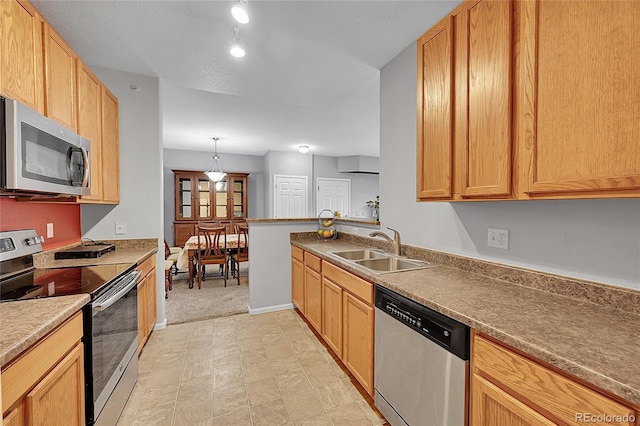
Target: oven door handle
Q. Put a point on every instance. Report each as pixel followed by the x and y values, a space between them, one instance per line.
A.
pixel 130 281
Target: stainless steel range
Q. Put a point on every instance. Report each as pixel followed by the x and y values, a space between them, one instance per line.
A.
pixel 110 319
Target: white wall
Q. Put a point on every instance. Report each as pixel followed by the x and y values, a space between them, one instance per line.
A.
pixel 140 170
pixel 270 271
pixel 197 160
pixel 596 240
pixel 364 186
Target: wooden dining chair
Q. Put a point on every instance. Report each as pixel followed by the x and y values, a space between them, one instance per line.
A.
pixel 241 254
pixel 212 243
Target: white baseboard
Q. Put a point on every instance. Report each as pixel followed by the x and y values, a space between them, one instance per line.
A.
pixel 270 309
pixel 160 325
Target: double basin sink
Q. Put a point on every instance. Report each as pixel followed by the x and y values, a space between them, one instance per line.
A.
pixel 378 261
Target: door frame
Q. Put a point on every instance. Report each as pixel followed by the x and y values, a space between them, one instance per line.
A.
pixel 275 191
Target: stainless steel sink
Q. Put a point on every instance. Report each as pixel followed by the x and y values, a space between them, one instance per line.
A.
pixel 361 254
pixel 393 264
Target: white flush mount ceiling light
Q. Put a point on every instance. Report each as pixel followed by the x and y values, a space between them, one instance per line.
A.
pixel 215 173
pixel 303 149
pixel 236 50
pixel 239 12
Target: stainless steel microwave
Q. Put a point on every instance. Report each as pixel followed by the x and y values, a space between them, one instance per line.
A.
pixel 39 156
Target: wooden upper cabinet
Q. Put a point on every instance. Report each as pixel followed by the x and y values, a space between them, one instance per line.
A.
pixel 578 100
pixel 435 112
pixel 110 148
pixel 60 79
pixel 21 61
pixel 89 124
pixel 483 97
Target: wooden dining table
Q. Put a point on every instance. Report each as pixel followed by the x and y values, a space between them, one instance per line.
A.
pixel 187 256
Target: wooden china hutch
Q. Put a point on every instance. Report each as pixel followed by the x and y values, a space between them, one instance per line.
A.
pixel 197 199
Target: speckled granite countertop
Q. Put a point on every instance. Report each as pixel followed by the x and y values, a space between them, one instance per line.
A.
pixel 127 251
pixel 597 342
pixel 25 322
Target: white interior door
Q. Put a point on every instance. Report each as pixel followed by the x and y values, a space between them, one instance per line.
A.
pixel 291 196
pixel 334 194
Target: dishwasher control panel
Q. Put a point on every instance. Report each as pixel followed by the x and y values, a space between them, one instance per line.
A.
pixel 446 332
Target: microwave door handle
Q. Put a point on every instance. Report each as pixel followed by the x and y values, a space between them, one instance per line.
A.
pixel 85 175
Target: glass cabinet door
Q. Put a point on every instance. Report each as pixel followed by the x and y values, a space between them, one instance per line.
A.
pixel 185 197
pixel 238 195
pixel 221 199
pixel 204 198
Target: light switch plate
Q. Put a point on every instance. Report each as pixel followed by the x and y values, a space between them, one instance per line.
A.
pixel 121 228
pixel 49 230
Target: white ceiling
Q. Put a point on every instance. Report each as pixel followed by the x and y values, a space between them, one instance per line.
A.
pixel 310 76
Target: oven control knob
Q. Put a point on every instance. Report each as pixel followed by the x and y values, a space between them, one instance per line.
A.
pixel 32 241
pixel 419 323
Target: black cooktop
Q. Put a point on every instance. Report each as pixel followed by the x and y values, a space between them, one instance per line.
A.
pixel 61 281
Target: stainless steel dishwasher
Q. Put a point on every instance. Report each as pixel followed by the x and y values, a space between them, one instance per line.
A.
pixel 421 363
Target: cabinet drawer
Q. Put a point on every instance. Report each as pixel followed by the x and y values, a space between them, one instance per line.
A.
pixel 297 253
pixel 19 376
pixel 147 265
pixel 355 285
pixel 312 262
pixel 545 389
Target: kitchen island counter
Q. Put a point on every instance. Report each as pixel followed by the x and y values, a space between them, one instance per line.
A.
pixel 24 322
pixel 591 333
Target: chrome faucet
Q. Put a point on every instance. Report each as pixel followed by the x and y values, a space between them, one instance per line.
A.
pixel 395 241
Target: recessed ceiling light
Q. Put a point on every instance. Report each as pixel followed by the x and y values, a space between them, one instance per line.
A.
pixel 237 51
pixel 303 149
pixel 239 12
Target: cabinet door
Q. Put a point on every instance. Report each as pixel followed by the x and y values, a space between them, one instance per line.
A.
pixel 358 326
pixel 90 123
pixel 151 301
pixel 185 196
pixel 15 417
pixel 142 309
pixel 332 315
pixel 491 406
pixel 59 397
pixel 484 81
pixel 579 98
pixel 238 197
pixel 313 298
pixel 60 79
pixel 297 284
pixel 182 232
pixel 21 60
pixel 110 148
pixel 435 112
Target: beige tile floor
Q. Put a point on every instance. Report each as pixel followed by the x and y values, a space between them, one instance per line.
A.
pixel 266 369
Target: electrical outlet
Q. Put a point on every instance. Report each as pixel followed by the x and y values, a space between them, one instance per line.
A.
pixel 121 228
pixel 49 230
pixel 498 238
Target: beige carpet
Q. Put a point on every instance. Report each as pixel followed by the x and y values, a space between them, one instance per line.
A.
pixel 211 301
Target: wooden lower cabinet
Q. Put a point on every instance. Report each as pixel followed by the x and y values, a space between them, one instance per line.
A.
pixel 332 299
pixel 146 300
pixel 297 282
pixel 313 297
pixel 358 326
pixel 45 385
pixel 348 321
pixel 510 389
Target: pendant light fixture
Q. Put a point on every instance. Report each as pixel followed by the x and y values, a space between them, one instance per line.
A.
pixel 236 50
pixel 215 173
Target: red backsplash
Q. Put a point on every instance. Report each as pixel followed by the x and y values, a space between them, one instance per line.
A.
pixel 28 214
